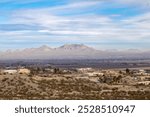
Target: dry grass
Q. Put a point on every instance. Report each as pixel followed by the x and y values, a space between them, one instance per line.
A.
pixel 59 87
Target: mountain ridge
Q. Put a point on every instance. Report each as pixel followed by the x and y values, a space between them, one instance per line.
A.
pixel 70 51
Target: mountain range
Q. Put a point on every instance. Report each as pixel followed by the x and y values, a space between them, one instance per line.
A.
pixel 71 51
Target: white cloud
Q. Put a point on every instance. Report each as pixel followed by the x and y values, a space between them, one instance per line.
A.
pixel 102 27
pixel 89 27
pixel 19 1
pixel 139 3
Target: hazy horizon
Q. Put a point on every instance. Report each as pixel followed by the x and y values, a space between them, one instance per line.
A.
pixel 71 44
pixel 101 24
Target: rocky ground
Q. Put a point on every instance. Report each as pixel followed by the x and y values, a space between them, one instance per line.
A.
pixel 64 87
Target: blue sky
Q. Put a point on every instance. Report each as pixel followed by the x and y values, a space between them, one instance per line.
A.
pixel 103 24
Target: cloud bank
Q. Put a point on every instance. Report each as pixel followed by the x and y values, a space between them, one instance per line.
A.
pixel 90 22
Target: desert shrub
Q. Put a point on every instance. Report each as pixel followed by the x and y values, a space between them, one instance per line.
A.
pixel 4 79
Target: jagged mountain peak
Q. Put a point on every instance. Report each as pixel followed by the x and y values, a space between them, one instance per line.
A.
pixel 74 46
pixel 44 48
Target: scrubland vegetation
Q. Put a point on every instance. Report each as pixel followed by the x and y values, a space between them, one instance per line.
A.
pixel 71 85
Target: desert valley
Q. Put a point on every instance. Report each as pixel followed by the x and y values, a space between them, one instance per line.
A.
pixel 74 72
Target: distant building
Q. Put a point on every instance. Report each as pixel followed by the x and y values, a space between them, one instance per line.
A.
pixel 95 74
pixel 23 71
pixel 85 69
pixel 144 83
pixel 9 71
pixel 142 71
pixel 147 71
